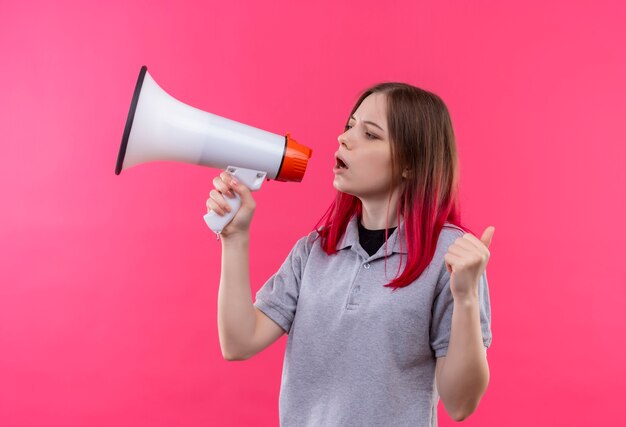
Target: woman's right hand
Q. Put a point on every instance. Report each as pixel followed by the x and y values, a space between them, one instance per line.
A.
pixel 225 186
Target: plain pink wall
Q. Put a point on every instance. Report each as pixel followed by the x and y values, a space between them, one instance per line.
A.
pixel 109 283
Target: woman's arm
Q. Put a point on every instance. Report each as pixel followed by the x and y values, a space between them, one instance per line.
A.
pixel 243 329
pixel 462 375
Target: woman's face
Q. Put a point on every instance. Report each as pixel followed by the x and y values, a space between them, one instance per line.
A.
pixel 364 149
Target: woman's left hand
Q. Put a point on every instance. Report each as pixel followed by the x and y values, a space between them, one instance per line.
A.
pixel 466 261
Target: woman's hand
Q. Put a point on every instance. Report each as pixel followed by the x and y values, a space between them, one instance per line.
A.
pixel 466 261
pixel 226 186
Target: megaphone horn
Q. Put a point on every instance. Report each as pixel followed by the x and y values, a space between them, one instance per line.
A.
pixel 161 128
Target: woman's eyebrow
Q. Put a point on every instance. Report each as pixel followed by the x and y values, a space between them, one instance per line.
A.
pixel 371 123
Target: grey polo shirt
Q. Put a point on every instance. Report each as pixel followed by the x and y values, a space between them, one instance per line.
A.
pixel 357 353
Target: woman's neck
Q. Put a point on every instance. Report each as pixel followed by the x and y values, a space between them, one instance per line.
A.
pixel 378 214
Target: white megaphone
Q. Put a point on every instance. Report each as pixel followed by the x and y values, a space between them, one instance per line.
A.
pixel 159 127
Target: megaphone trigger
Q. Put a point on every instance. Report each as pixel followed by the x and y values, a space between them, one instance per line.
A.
pixel 251 178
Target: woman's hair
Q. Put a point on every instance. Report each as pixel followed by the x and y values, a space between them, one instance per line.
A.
pixel 422 144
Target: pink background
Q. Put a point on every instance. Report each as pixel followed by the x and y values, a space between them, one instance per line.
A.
pixel 109 283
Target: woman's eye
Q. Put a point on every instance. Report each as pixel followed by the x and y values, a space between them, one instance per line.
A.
pixel 367 134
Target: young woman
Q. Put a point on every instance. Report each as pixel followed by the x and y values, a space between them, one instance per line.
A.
pixel 386 304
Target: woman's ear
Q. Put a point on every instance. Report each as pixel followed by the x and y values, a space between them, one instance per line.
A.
pixel 405 174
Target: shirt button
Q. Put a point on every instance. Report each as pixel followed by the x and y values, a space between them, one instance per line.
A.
pixel 366 265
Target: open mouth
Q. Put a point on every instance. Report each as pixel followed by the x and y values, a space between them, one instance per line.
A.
pixel 340 164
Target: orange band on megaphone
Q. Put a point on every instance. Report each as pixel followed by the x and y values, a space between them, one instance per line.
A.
pixel 295 160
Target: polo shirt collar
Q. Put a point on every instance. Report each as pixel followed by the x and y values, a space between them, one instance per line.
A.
pixel 351 237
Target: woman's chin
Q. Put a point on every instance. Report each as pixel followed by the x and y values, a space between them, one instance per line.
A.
pixel 337 185
pixel 341 188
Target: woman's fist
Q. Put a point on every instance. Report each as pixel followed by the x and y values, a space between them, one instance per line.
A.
pixel 466 261
pixel 226 186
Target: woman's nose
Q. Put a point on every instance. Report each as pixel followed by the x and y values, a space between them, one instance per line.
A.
pixel 342 139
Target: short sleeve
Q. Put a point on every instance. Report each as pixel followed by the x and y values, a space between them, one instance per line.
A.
pixel 278 297
pixel 441 321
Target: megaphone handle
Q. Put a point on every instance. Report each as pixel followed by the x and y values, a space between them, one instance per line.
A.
pixel 252 179
pixel 217 222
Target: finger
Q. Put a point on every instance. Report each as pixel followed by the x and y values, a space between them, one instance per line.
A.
pixel 243 192
pixel 226 177
pixel 212 206
pixel 460 251
pixel 235 185
pixel 488 235
pixel 222 187
pixel 477 243
pixel 451 261
pixel 220 200
pixel 467 252
pixel 466 243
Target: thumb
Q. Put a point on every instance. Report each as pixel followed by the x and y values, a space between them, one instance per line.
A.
pixel 488 235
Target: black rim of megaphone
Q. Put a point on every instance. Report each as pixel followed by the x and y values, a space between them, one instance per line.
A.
pixel 129 120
